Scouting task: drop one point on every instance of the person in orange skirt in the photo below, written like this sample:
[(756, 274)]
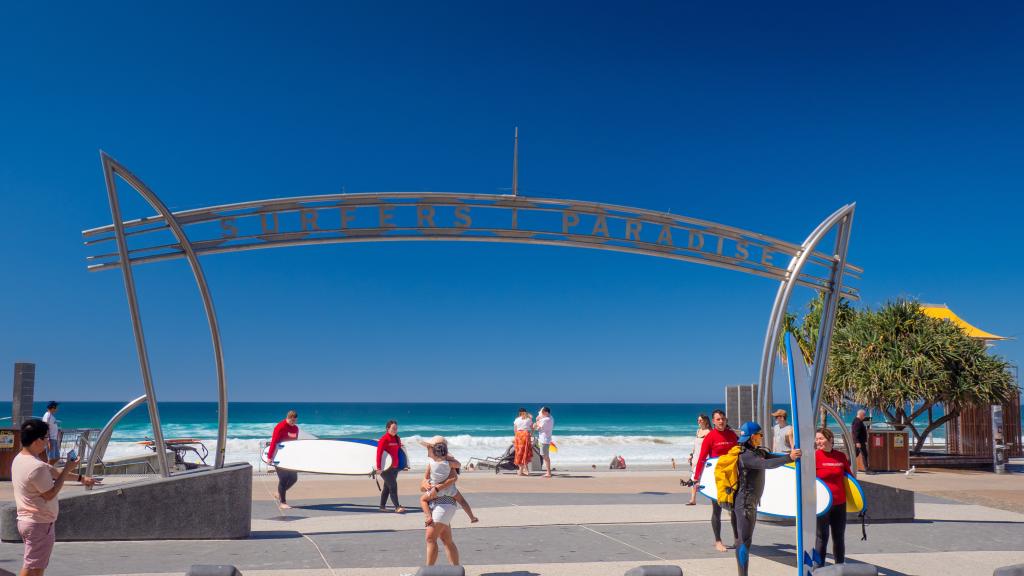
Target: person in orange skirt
[(523, 427)]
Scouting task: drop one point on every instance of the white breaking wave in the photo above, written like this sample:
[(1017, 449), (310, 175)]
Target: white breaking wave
[(573, 451)]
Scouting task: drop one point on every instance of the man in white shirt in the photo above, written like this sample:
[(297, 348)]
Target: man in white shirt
[(53, 437), (782, 433), (544, 426)]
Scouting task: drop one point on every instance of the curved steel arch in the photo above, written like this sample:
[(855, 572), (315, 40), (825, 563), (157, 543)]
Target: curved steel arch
[(843, 218), (111, 168), (424, 206)]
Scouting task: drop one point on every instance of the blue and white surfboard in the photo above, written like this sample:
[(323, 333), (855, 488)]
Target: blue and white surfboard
[(806, 475)]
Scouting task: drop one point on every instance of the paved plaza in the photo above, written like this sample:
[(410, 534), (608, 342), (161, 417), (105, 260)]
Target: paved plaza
[(563, 526)]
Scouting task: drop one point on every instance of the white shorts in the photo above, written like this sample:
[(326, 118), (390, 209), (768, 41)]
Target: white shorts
[(443, 513)]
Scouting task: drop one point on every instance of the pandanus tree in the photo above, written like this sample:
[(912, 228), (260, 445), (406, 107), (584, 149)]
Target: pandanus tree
[(903, 362)]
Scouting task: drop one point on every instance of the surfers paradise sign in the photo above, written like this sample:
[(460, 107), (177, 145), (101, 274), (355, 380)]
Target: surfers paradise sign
[(455, 217), (461, 217)]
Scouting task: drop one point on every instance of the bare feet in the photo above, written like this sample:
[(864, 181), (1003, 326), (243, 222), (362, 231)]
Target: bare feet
[(399, 510), (691, 503), (473, 519), (284, 506), (720, 547), (547, 475)]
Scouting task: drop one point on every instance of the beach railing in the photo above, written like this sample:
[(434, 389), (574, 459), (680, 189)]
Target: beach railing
[(81, 440)]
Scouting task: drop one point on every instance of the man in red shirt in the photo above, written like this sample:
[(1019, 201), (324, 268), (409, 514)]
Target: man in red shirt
[(285, 430), (717, 443)]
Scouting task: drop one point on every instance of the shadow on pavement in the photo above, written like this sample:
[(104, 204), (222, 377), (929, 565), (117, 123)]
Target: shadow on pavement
[(270, 535), (341, 507)]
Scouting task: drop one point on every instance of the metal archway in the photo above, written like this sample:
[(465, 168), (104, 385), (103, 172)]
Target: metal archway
[(409, 216)]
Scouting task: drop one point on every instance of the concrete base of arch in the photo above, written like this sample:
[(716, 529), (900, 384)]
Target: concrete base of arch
[(207, 504)]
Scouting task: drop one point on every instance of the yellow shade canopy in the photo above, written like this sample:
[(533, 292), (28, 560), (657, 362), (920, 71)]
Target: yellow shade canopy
[(943, 312)]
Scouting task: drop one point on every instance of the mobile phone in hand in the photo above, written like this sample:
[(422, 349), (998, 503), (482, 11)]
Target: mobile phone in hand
[(73, 455)]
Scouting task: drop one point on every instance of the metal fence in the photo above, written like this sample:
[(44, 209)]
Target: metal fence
[(81, 440)]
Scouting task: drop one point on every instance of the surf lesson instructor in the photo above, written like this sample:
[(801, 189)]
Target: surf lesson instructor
[(717, 443), (831, 466), (390, 443), (286, 430)]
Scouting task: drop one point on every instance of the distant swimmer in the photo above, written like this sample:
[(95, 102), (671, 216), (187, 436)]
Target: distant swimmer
[(285, 431), (390, 443), (717, 443), (753, 461)]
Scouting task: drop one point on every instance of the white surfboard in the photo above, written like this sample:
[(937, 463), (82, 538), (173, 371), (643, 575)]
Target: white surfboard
[(342, 457), (779, 496)]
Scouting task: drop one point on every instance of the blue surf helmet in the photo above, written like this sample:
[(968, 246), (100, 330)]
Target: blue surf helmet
[(747, 430)]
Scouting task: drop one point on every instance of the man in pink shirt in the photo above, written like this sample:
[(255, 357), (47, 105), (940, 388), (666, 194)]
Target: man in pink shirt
[(36, 485)]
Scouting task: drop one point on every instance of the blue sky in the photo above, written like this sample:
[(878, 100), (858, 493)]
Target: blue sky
[(764, 117)]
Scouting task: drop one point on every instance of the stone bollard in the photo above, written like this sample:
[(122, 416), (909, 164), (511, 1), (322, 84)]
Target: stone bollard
[(655, 570), (212, 570), (1015, 570), (441, 571), (846, 570)]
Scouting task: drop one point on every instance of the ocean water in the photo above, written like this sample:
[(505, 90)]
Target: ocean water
[(585, 434)]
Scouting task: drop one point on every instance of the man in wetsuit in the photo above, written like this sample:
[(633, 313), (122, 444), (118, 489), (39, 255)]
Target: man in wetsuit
[(717, 443), (752, 463)]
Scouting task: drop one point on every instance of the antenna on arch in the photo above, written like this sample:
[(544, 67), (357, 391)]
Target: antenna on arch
[(515, 164)]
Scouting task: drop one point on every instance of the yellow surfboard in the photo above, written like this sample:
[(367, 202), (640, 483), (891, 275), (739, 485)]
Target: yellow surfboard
[(854, 494)]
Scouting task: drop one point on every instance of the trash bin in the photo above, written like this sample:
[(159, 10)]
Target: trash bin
[(10, 445), (888, 450)]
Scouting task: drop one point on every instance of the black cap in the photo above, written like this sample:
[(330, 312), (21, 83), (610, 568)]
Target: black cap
[(52, 404)]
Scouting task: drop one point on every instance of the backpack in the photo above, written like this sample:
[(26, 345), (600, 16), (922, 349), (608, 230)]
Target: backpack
[(727, 477)]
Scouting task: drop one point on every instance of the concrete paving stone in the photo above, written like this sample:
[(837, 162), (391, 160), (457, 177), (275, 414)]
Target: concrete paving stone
[(263, 551), (329, 507)]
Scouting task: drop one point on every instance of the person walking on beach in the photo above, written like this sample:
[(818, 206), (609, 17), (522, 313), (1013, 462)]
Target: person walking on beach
[(523, 442), (831, 466), (544, 426), (703, 428), (782, 433), (439, 503), (36, 485), (53, 433), (859, 430), (389, 443), (717, 443), (285, 431), (750, 467)]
